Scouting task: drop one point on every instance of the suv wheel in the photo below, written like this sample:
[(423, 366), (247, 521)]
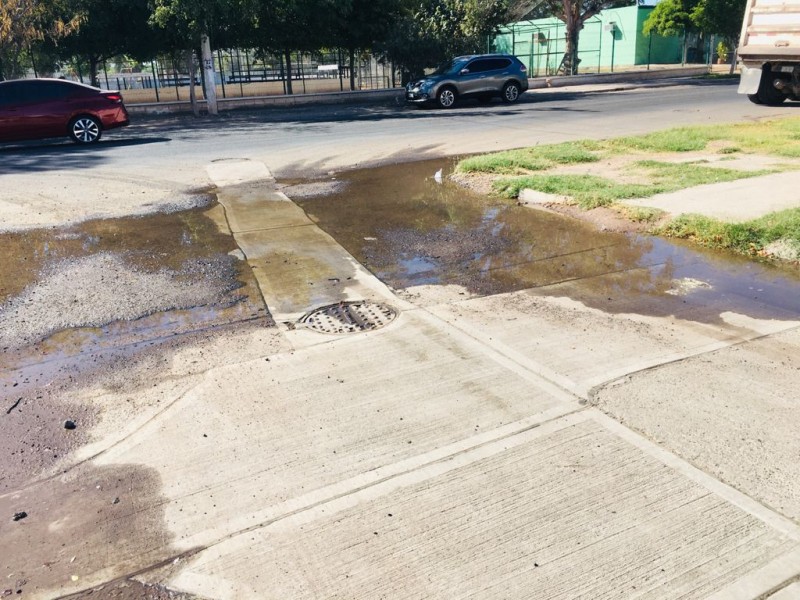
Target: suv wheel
[(446, 98), (510, 92)]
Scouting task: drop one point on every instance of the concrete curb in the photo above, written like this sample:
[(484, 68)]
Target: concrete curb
[(374, 96), (623, 77)]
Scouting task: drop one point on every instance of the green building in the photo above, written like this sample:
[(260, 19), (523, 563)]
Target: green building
[(611, 39)]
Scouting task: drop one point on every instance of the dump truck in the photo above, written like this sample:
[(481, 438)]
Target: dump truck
[(769, 51)]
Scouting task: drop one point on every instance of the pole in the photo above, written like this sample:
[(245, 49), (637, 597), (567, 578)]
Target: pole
[(649, 49), (210, 75), (221, 72), (239, 62), (613, 45), (155, 79)]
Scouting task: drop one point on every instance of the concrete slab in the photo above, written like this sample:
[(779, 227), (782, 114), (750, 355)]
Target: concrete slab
[(579, 346), (740, 425), (731, 201), (791, 592), (568, 509), (298, 266), (295, 428)]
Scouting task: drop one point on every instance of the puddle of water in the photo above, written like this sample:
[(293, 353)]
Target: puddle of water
[(185, 249), (410, 230)]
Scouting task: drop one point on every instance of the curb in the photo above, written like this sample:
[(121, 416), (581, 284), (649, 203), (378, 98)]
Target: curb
[(375, 96)]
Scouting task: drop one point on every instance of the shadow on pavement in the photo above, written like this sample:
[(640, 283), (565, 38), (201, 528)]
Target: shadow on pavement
[(28, 157)]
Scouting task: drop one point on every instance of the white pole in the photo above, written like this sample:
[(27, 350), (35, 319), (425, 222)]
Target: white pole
[(210, 76)]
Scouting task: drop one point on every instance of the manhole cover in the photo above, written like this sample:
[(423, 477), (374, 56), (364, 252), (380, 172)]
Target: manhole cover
[(349, 317)]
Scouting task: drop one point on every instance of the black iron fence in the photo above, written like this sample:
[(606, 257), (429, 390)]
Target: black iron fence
[(241, 74)]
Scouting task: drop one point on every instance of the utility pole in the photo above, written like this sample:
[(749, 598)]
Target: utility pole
[(210, 76)]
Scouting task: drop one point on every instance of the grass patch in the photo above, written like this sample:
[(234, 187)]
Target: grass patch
[(683, 139), (678, 176), (537, 158), (778, 138), (750, 237), (640, 214), (588, 191)]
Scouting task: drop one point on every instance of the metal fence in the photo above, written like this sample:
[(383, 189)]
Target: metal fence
[(241, 74)]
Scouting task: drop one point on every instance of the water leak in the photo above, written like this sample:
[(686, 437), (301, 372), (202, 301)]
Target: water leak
[(181, 260), (410, 230)]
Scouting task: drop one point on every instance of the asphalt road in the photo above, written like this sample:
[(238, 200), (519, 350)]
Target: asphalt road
[(306, 141)]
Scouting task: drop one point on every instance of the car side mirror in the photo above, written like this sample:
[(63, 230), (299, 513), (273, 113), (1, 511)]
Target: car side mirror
[(464, 72)]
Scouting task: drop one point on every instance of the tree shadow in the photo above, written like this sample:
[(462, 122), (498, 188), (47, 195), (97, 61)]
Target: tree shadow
[(47, 155)]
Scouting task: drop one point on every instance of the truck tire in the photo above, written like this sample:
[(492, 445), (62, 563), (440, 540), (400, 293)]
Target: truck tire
[(753, 98), (767, 94)]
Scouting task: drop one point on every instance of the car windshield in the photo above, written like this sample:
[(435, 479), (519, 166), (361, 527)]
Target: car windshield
[(450, 66)]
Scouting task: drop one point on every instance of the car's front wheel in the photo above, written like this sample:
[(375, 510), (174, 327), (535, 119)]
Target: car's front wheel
[(446, 98), (511, 92), (85, 130)]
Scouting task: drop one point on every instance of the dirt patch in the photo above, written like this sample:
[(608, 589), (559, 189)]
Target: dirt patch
[(105, 303), (90, 526)]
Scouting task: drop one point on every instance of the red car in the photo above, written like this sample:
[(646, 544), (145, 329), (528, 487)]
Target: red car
[(32, 109)]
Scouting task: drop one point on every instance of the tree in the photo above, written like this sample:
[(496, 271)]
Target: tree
[(362, 24), (430, 31), (574, 14), (110, 28), (192, 21), (283, 26), (24, 23), (721, 17)]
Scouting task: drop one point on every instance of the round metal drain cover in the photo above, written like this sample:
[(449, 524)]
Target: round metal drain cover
[(349, 317)]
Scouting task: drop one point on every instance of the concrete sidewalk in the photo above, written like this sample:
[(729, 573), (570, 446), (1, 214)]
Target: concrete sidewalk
[(457, 452), (733, 201)]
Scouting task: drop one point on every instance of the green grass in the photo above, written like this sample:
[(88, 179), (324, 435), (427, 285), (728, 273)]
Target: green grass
[(679, 176), (586, 190), (684, 139), (590, 191), (640, 214), (750, 237), (537, 158), (775, 138), (778, 138)]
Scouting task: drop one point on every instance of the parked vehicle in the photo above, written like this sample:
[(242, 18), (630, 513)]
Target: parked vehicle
[(32, 109), (483, 77), (769, 52)]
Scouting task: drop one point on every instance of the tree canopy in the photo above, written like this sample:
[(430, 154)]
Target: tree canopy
[(26, 22), (721, 17)]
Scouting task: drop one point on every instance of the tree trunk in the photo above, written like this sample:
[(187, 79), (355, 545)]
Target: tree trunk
[(352, 57), (190, 67), (210, 77), (572, 26), (287, 54), (94, 79)]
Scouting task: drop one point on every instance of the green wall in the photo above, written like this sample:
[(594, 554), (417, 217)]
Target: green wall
[(540, 43)]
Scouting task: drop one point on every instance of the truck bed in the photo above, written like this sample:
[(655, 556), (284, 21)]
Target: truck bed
[(771, 29)]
